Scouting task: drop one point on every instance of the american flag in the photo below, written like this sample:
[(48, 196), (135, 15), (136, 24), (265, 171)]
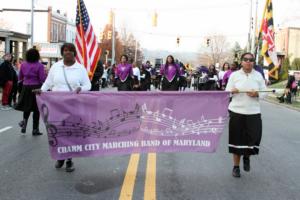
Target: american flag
[(88, 51)]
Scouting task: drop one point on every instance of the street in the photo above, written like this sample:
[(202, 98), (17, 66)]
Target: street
[(27, 171)]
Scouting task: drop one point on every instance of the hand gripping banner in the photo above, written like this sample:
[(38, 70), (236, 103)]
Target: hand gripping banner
[(95, 123)]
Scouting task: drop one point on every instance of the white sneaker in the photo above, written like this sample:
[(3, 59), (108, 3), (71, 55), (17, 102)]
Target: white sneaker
[(6, 108)]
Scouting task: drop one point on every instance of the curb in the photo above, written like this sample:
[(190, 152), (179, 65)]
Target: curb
[(281, 104)]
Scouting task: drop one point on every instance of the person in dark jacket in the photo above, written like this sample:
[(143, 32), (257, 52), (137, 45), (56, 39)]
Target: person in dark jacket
[(290, 88), (6, 80), (97, 76), (145, 79), (13, 94)]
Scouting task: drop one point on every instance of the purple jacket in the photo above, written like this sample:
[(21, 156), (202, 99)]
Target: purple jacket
[(124, 71), (182, 71), (32, 73), (226, 77), (170, 72)]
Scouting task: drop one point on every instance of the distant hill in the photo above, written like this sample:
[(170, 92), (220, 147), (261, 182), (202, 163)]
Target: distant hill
[(185, 57)]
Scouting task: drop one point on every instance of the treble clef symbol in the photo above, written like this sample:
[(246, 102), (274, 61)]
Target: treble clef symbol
[(51, 129)]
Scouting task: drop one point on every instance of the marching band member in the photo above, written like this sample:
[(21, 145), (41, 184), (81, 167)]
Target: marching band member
[(124, 73), (170, 73)]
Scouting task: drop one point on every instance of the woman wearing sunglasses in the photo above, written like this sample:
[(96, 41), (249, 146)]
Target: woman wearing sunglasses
[(245, 124)]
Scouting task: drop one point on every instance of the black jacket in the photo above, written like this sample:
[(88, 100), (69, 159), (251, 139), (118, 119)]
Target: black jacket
[(6, 72)]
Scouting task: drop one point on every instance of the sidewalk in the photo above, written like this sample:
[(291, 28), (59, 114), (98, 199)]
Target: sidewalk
[(272, 98)]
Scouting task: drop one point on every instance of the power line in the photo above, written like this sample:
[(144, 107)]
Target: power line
[(186, 36)]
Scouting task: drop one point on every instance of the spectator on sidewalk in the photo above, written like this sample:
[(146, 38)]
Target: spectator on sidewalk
[(290, 89), (13, 94), (6, 80)]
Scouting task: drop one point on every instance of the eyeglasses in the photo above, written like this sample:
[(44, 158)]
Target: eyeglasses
[(248, 59)]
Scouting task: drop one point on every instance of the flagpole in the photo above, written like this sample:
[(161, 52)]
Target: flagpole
[(273, 91), (82, 35), (254, 30), (32, 22), (135, 52), (249, 33), (113, 39)]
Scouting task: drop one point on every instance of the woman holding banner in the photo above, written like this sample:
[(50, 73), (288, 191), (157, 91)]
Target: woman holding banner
[(245, 124), (67, 75), (124, 73), (170, 74)]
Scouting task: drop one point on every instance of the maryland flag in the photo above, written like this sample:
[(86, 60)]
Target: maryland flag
[(266, 34)]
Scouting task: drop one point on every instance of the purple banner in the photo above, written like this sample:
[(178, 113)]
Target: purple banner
[(95, 123)]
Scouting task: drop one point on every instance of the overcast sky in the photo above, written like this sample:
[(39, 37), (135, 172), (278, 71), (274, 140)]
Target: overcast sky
[(191, 20)]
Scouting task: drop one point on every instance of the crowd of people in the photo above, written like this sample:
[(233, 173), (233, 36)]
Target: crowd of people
[(243, 81)]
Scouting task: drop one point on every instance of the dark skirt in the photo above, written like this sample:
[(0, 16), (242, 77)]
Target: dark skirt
[(27, 100), (125, 86), (170, 86), (245, 132), (182, 81)]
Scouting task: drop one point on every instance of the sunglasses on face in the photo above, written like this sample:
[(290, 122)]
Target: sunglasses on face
[(248, 59)]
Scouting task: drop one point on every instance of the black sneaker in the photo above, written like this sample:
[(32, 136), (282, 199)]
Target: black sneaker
[(236, 172), (246, 164), (36, 132), (70, 166), (59, 164)]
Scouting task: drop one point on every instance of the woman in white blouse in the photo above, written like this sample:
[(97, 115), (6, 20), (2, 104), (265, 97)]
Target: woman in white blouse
[(67, 75), (245, 124)]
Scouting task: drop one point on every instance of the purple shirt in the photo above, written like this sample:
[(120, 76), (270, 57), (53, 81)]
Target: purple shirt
[(170, 72), (226, 77), (123, 71), (181, 71), (32, 73)]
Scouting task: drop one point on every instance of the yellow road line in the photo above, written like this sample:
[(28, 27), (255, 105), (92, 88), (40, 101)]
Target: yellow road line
[(129, 180), (150, 182)]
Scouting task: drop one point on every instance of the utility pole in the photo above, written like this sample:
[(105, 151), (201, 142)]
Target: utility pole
[(113, 38), (32, 22), (249, 33), (136, 48), (254, 30)]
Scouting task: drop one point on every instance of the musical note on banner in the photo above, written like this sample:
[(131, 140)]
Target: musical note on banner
[(172, 126), (100, 129)]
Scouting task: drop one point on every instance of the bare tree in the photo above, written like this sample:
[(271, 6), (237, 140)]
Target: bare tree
[(106, 44), (130, 44), (217, 50)]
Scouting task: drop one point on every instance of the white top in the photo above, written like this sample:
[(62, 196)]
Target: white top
[(136, 72), (241, 102), (105, 74), (221, 74), (76, 74)]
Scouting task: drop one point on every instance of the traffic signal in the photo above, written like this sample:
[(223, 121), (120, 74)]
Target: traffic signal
[(106, 52), (154, 19), (111, 17), (109, 35), (178, 40), (207, 42), (101, 36)]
